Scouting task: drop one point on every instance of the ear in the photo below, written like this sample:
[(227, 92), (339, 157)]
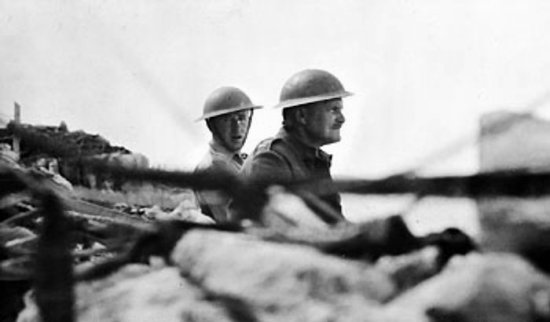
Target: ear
[(212, 127), (301, 116)]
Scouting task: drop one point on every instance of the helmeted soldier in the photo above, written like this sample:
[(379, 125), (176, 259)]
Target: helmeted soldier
[(228, 114), (312, 117)]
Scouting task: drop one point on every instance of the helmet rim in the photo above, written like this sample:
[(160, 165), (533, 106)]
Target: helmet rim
[(310, 86), (296, 102), (225, 100), (227, 111)]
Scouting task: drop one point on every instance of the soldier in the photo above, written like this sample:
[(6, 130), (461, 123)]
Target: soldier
[(312, 117), (228, 115)]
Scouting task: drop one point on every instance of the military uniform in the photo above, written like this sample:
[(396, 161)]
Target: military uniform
[(215, 204), (283, 158)]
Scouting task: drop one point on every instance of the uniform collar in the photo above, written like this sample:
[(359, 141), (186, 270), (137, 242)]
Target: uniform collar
[(221, 150)]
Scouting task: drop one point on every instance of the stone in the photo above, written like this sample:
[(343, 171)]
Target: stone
[(138, 293), (488, 287), (409, 270), (187, 210), (282, 282), (518, 225)]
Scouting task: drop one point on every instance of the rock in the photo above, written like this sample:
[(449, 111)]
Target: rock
[(408, 270), (281, 282), (155, 213), (185, 211), (491, 287), (519, 225), (188, 211), (136, 293), (8, 157), (157, 296), (62, 182)]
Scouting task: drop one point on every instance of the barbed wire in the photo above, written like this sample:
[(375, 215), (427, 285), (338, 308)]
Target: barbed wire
[(6, 115), (400, 183), (523, 183), (496, 128)]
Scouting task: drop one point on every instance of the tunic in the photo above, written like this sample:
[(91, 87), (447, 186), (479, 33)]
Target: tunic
[(284, 158), (212, 203)]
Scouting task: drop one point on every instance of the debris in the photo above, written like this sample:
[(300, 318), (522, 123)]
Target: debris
[(282, 282), (127, 262), (489, 287)]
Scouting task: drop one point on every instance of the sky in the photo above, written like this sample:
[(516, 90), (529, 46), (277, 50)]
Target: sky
[(138, 72)]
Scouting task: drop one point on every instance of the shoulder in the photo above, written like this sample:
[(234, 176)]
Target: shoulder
[(266, 145), (267, 161), (273, 150), (205, 162), (264, 149), (272, 146), (210, 161)]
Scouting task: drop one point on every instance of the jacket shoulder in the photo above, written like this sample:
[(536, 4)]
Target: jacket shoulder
[(267, 145), (266, 163)]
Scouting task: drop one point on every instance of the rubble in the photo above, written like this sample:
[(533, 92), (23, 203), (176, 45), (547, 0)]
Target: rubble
[(221, 276), (139, 293), (488, 287), (81, 142), (409, 270), (157, 295), (282, 282), (517, 225), (59, 151), (149, 263)]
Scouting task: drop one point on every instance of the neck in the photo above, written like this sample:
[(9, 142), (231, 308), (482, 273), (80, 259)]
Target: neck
[(221, 145), (301, 135)]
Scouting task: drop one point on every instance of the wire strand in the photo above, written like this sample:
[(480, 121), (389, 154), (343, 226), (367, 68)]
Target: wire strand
[(460, 144)]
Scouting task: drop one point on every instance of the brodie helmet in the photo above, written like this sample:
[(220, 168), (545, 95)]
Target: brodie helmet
[(310, 86), (225, 100)]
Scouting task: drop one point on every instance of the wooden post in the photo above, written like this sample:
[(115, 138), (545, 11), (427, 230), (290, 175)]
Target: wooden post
[(17, 120)]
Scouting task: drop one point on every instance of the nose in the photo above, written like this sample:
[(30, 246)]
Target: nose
[(340, 118), (237, 124)]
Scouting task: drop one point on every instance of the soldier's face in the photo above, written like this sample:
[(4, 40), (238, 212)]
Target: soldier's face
[(323, 121), (232, 129)]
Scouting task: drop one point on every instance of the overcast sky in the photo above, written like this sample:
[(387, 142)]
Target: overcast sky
[(138, 72)]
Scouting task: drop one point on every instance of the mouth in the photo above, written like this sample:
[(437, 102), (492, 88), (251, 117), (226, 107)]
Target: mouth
[(237, 137)]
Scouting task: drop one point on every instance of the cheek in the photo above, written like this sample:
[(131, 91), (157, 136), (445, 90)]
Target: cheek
[(327, 122), (225, 130), (244, 125)]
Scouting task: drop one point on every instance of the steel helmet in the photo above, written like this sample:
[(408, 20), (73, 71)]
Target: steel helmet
[(225, 100), (310, 86)]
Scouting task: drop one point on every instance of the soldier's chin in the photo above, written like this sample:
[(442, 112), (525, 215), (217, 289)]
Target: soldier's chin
[(333, 138), (235, 145)]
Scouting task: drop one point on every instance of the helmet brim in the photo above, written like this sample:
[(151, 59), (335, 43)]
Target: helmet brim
[(227, 111), (295, 102)]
